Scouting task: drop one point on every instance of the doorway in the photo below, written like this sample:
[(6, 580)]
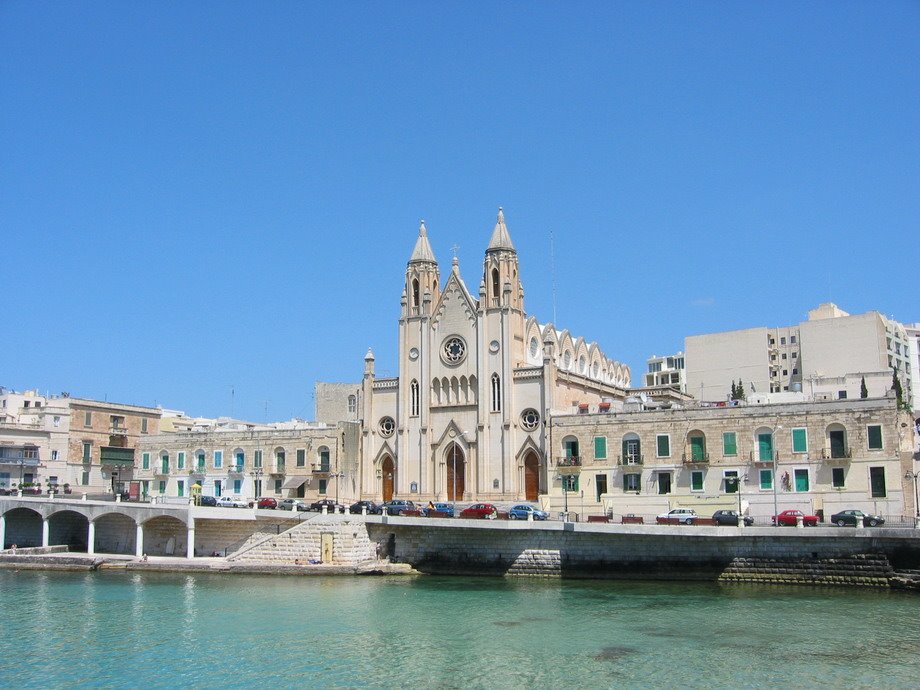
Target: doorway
[(387, 471), (456, 473), (531, 476)]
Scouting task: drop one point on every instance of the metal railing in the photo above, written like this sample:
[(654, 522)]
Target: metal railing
[(696, 458), (845, 453), (628, 460), (569, 461)]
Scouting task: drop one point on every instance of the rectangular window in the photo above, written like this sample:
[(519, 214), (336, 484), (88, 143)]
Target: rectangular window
[(600, 486), (87, 450), (801, 480), (162, 486), (664, 483), (165, 460), (278, 486), (837, 478), (322, 486), (664, 445), (145, 461), (180, 488), (799, 441), (84, 478), (218, 487), (841, 395), (54, 455), (218, 459), (792, 340), (782, 341), (874, 432), (730, 478), (256, 459), (729, 443), (180, 460), (144, 421), (301, 457), (237, 486), (631, 482), (696, 480), (145, 488), (877, 482), (600, 447), (240, 459), (766, 480), (201, 461), (88, 419)]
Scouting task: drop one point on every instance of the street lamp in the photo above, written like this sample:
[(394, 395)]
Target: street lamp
[(775, 473), (257, 481), (914, 475)]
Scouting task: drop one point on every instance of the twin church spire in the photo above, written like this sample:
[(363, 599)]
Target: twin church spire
[(500, 286)]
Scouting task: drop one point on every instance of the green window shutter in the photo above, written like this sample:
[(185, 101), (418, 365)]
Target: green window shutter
[(838, 480), (696, 481), (799, 441), (600, 447), (875, 437), (664, 446), (145, 460), (625, 482), (301, 457), (729, 443), (766, 479)]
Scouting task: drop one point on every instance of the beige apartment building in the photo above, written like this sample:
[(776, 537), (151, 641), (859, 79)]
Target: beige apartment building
[(290, 459), (819, 457), (826, 357)]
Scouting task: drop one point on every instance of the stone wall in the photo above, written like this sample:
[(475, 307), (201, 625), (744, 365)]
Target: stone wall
[(226, 537), (350, 543)]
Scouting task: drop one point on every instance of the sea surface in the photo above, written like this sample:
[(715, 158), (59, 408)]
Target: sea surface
[(165, 630)]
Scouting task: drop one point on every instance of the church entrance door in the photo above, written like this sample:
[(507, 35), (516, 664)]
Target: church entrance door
[(531, 476), (456, 473), (387, 469)]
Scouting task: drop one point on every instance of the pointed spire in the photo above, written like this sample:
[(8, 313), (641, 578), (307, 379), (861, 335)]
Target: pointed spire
[(422, 251), (500, 237)]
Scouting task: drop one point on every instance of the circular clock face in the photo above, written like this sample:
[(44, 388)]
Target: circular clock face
[(494, 346), (413, 353), (454, 350)]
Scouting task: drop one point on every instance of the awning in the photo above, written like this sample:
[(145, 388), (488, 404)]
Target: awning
[(294, 482)]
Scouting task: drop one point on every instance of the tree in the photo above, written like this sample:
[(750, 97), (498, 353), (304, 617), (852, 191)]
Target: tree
[(734, 395), (896, 386), (863, 391), (741, 395)]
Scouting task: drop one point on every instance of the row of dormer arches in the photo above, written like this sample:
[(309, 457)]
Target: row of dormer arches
[(454, 390), (574, 355)]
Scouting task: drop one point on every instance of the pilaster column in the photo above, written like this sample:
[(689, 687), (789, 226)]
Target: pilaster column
[(45, 531), (139, 541), (91, 538), (190, 543)]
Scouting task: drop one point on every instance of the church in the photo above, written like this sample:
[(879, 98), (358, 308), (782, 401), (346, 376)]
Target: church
[(467, 417)]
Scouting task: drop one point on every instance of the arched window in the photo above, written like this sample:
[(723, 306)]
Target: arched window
[(496, 393), (495, 293), (415, 300), (414, 398)]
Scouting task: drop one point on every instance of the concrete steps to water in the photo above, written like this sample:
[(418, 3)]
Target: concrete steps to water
[(303, 544)]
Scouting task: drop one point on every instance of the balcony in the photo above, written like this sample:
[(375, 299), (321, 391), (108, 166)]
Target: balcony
[(27, 456), (630, 460), (235, 469), (696, 458), (837, 454), (113, 455), (570, 464), (161, 471), (118, 431), (320, 468), (278, 469), (198, 470), (764, 459)]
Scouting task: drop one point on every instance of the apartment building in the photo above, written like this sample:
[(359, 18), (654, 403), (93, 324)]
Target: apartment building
[(819, 457), (669, 370)]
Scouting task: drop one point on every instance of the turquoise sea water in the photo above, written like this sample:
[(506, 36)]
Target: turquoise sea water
[(124, 630)]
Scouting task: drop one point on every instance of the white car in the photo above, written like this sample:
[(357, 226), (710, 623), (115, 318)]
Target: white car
[(231, 502), (683, 516)]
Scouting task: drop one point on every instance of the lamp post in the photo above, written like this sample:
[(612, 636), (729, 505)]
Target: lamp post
[(256, 481), (914, 475), (775, 473)]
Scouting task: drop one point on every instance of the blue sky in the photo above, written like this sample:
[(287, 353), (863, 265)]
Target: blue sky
[(199, 197)]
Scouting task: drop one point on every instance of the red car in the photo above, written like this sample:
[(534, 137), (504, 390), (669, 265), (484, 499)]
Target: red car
[(268, 502), (789, 517), (480, 511)]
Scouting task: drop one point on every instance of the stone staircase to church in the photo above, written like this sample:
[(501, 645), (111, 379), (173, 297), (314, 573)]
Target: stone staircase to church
[(303, 543)]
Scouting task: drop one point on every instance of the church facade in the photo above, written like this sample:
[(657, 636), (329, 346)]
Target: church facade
[(467, 417)]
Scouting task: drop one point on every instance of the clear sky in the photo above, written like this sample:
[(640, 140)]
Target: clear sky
[(204, 196)]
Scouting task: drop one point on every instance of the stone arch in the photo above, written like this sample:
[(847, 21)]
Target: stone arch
[(23, 527), (436, 391), (455, 459), (387, 477), (68, 527), (115, 533), (836, 443), (164, 535), (531, 475)]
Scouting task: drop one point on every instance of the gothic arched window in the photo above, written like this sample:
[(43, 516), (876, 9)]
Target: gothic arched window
[(496, 393), (415, 300), (495, 292), (414, 398)]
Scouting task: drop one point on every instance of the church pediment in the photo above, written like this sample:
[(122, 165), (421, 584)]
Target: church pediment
[(455, 298)]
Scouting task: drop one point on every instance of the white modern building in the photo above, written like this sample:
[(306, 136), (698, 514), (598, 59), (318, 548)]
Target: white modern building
[(669, 370)]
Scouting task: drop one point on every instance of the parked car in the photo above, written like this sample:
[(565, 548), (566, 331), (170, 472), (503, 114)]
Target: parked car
[(231, 502), (480, 511), (730, 517), (292, 504), (207, 501), (522, 510), (851, 517), (268, 502), (683, 516), (331, 506), (398, 506), (372, 508), (789, 517), (440, 508)]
